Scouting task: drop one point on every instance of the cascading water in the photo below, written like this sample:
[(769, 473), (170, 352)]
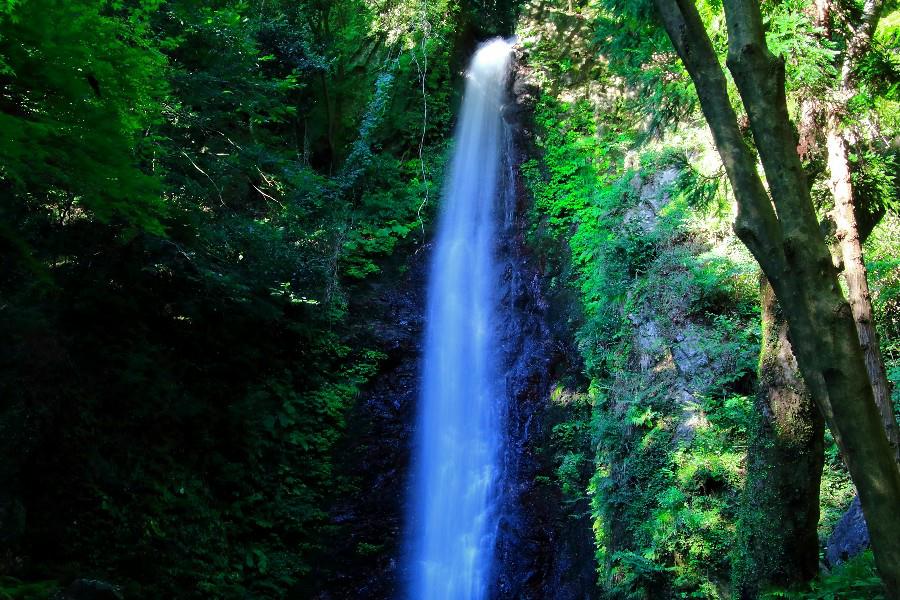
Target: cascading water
[(455, 503)]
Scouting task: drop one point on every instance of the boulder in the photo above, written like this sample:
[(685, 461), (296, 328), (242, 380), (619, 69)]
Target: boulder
[(850, 536)]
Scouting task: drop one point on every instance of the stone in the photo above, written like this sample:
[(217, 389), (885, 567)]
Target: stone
[(689, 355), (850, 536)]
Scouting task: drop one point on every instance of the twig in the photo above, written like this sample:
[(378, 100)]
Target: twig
[(218, 191)]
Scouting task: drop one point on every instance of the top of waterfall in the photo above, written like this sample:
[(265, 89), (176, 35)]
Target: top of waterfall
[(492, 55)]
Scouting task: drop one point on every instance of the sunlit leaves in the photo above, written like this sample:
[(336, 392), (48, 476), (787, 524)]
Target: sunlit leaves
[(810, 58), (78, 94)]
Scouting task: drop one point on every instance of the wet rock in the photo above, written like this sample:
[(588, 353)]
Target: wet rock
[(654, 189), (364, 560), (541, 552), (523, 95), (850, 536), (649, 343)]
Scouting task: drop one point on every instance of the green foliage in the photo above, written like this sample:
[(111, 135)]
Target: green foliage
[(664, 503), (854, 579), (570, 441), (874, 176), (640, 53), (620, 260), (883, 264), (14, 589), (80, 89), (809, 58), (198, 199)]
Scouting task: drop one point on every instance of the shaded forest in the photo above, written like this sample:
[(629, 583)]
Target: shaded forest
[(215, 227)]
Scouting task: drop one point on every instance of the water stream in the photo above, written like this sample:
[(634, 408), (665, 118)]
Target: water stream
[(456, 500)]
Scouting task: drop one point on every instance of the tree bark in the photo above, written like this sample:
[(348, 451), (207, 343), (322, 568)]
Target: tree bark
[(848, 232), (808, 128), (780, 506), (793, 253), (850, 242)]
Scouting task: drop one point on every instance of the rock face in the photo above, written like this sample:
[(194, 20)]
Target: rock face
[(850, 536), (540, 554), (365, 558), (670, 348)]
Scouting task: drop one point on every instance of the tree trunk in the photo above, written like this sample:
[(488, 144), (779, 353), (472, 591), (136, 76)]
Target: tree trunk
[(329, 115), (849, 238), (792, 252), (808, 128), (780, 507)]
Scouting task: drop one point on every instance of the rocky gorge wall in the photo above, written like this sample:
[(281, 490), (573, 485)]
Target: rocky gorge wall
[(544, 551), (657, 305), (657, 300)]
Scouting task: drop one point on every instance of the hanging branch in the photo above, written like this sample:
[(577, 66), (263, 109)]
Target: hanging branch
[(423, 73)]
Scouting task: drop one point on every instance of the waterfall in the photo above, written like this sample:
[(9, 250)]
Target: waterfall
[(456, 487)]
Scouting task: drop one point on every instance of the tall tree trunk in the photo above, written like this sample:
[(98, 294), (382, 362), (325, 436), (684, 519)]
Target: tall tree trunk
[(850, 242), (845, 209), (792, 252), (778, 536)]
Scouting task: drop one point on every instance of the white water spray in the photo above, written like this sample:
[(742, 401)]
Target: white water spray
[(462, 402)]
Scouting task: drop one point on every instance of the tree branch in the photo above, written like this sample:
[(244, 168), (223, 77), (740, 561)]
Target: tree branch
[(760, 80), (756, 223)]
